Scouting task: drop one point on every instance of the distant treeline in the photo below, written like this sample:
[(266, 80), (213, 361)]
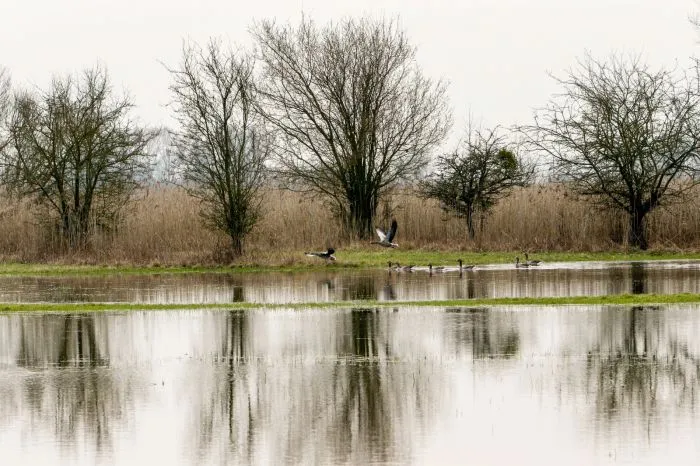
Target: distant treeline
[(162, 227), (342, 121)]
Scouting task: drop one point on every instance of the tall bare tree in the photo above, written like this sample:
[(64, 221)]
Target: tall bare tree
[(624, 135), (355, 112), (473, 178), (222, 144), (75, 150), (5, 103)]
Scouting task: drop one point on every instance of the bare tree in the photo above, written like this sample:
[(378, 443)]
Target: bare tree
[(5, 104), (472, 179), (76, 151), (355, 112), (222, 145), (624, 135)]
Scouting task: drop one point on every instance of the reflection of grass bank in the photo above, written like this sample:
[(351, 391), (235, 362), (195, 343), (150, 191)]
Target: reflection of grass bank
[(623, 300), (347, 259)]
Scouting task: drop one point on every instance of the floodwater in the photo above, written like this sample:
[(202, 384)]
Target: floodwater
[(573, 385), (556, 279)]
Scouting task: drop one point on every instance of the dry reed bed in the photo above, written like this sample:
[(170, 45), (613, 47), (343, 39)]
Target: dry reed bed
[(162, 226)]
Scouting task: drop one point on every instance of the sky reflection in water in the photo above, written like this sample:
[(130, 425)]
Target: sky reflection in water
[(555, 385)]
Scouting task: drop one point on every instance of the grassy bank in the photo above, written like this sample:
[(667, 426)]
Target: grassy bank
[(347, 260), (622, 300), (162, 228)]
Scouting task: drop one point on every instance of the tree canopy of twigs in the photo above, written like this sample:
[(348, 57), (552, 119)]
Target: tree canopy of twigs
[(74, 149), (474, 177), (623, 135), (5, 100), (221, 144), (354, 112)]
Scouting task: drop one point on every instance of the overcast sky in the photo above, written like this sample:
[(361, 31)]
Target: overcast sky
[(495, 53)]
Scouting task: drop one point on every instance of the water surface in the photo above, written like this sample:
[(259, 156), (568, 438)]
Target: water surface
[(504, 385), (556, 279)]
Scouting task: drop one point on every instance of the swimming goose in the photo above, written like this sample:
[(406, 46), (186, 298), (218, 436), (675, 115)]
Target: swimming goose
[(328, 255), (405, 268), (385, 239), (531, 262), (519, 264), (436, 269), (466, 267)]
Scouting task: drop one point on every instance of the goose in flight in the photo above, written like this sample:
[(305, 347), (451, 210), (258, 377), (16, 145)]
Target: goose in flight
[(328, 255), (386, 239)]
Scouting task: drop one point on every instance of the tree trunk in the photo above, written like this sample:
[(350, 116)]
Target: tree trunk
[(637, 233), (360, 216), (470, 222), (236, 245)]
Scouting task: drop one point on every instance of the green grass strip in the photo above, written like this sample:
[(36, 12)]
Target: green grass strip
[(348, 259), (625, 299)]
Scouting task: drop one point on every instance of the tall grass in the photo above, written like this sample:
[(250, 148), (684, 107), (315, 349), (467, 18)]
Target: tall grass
[(162, 226)]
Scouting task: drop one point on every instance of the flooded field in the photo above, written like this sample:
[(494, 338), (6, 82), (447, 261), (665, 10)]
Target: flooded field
[(577, 385), (560, 279), (546, 385)]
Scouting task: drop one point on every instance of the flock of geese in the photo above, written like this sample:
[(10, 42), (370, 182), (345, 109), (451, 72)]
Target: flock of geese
[(386, 239), (431, 269)]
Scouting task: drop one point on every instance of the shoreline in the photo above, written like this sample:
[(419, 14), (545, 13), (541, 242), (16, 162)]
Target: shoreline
[(353, 259), (624, 300)]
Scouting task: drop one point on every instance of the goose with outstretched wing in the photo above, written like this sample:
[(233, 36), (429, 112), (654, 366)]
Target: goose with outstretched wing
[(328, 255), (387, 239)]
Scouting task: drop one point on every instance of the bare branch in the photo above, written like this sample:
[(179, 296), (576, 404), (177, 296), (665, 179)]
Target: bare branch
[(623, 135), (5, 104), (472, 180), (74, 149), (355, 114), (221, 145)]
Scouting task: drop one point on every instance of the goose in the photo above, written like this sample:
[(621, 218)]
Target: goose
[(436, 269), (405, 268), (328, 255), (465, 267), (519, 264), (531, 262), (386, 239)]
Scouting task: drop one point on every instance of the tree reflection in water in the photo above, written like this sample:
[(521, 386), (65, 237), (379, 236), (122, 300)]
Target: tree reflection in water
[(640, 366), (362, 385), (229, 408), (359, 287), (488, 337), (337, 387), (83, 402), (638, 274)]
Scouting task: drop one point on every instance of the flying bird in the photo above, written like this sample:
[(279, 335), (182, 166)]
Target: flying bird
[(328, 255), (386, 239)]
